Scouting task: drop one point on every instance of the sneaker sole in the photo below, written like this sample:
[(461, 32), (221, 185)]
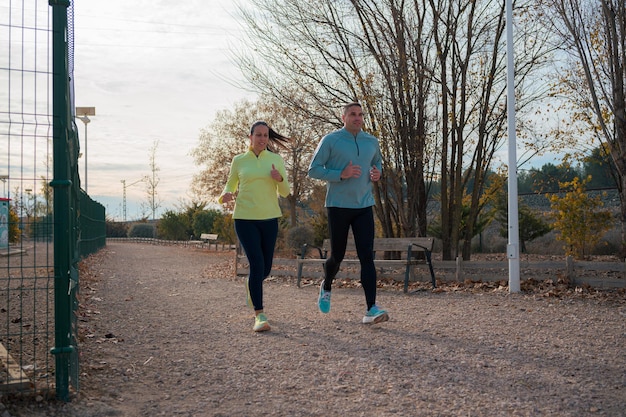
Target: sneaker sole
[(378, 319), (263, 328), (381, 318)]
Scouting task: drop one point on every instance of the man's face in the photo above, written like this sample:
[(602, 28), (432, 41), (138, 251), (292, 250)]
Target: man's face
[(353, 119)]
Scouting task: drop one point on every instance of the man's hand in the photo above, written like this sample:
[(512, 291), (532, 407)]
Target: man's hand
[(374, 173), (351, 171)]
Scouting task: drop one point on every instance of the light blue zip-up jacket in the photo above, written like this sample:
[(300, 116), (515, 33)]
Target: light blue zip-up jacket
[(333, 154)]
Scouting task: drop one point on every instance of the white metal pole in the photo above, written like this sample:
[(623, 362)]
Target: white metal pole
[(513, 215), (82, 113), (86, 120)]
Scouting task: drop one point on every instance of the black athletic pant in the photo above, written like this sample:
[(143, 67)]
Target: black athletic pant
[(258, 239), (340, 220)]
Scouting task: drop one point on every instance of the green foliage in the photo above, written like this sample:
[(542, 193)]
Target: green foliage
[(14, 226), (203, 221), (141, 230), (434, 228), (298, 236), (42, 228), (224, 226), (549, 176), (319, 223), (525, 182), (174, 226), (578, 219), (116, 229), (600, 166), (531, 226), (546, 178)]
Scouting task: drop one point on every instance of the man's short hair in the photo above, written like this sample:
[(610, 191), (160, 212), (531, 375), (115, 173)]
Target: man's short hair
[(347, 106)]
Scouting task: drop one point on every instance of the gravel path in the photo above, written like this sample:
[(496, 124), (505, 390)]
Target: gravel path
[(165, 332)]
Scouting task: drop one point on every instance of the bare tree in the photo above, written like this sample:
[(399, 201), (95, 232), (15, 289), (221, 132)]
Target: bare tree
[(225, 137), (228, 136), (152, 181), (431, 76), (593, 32), (367, 51)]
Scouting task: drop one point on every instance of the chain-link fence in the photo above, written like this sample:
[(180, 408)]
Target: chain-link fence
[(47, 223)]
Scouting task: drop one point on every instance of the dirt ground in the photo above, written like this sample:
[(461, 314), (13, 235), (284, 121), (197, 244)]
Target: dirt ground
[(165, 332)]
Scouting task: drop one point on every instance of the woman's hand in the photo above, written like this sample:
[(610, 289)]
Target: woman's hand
[(227, 198), (275, 174)]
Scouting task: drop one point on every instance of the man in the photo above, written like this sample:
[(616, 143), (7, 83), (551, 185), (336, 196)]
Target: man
[(349, 160)]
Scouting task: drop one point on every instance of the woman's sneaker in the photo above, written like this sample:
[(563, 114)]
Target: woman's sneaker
[(375, 315), (260, 323), (323, 301)]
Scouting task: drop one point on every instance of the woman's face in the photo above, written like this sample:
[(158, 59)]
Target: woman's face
[(259, 138)]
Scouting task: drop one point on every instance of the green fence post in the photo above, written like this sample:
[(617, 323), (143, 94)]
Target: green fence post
[(61, 184)]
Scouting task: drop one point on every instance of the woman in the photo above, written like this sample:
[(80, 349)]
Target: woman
[(255, 180)]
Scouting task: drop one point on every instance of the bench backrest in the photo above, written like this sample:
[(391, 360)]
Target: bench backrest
[(391, 244)]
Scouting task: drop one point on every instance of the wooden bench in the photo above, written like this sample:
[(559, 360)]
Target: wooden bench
[(407, 248), (208, 237)]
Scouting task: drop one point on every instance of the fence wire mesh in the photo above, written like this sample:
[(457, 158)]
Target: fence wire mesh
[(26, 249), (38, 289)]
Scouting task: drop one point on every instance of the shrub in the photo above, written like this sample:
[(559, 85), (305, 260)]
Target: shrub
[(116, 229), (320, 228), (298, 236), (203, 221), (141, 230), (14, 226), (578, 218), (175, 226)]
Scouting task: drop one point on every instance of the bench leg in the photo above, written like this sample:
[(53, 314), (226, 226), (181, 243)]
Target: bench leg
[(430, 267), (407, 275), (407, 272), (299, 274)]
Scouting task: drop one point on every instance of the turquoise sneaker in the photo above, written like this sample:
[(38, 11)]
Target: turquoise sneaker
[(375, 315), (323, 301), (248, 298), (260, 323)]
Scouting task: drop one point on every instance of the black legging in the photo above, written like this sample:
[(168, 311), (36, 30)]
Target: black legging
[(362, 222), (258, 239)]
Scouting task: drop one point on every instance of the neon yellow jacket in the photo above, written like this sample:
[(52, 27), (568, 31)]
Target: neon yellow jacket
[(257, 197)]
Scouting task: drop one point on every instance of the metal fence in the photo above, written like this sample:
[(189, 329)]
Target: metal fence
[(47, 223)]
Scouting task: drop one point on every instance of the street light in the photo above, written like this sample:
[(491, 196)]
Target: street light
[(4, 178), (28, 191), (81, 114)]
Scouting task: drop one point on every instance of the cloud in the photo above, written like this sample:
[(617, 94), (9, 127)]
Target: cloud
[(154, 73)]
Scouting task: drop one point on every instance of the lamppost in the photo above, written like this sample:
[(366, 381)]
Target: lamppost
[(28, 198), (4, 178), (81, 114)]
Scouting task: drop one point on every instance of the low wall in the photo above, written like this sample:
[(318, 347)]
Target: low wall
[(595, 274)]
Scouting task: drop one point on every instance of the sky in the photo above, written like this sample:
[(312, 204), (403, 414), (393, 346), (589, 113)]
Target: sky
[(156, 72)]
